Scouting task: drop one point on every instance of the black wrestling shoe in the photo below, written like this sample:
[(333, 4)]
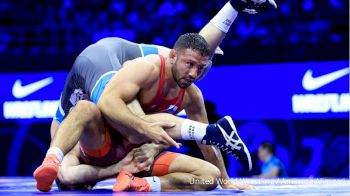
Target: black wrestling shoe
[(253, 6), (223, 134)]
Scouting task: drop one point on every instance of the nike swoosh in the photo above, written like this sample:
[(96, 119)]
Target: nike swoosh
[(20, 91), (310, 83)]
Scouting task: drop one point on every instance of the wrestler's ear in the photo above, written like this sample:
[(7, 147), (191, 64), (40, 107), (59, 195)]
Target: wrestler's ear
[(172, 56)]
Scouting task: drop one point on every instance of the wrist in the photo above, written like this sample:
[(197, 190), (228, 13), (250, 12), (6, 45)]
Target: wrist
[(158, 148), (141, 127), (162, 147)]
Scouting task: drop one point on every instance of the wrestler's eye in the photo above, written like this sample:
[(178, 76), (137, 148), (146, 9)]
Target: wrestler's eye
[(189, 64), (200, 68)]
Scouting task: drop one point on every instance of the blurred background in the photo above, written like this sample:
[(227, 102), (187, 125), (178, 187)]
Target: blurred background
[(259, 81)]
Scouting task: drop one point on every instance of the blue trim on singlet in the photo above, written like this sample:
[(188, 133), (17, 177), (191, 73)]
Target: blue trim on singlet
[(59, 116), (149, 49), (100, 86)]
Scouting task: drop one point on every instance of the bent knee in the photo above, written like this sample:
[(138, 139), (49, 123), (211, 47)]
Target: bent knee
[(209, 170), (210, 173), (88, 107), (65, 177), (215, 172)]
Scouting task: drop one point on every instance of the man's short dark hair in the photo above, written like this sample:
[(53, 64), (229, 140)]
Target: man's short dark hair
[(192, 41), (268, 146)]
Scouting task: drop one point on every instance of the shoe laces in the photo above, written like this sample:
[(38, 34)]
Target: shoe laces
[(224, 149)]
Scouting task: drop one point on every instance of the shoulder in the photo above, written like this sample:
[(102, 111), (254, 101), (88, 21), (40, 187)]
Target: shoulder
[(194, 92), (163, 50), (143, 70), (274, 160), (193, 97), (148, 64)]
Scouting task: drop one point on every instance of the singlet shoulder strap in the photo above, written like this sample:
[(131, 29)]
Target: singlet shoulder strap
[(160, 89)]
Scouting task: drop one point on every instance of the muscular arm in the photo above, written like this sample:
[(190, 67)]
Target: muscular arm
[(122, 89), (195, 110)]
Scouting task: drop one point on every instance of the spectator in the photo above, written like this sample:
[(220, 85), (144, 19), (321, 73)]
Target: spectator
[(272, 166)]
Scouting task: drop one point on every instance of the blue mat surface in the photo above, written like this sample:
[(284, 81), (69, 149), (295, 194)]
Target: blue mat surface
[(26, 186)]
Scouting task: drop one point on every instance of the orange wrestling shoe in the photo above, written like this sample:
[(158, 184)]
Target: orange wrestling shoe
[(46, 173), (128, 182)]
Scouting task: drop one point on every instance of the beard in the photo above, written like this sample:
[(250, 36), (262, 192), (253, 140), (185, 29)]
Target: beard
[(184, 85), (178, 79)]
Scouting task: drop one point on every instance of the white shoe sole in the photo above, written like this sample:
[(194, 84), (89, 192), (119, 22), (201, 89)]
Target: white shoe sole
[(230, 121)]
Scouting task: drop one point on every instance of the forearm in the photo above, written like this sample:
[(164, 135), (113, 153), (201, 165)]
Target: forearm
[(81, 174), (119, 116), (214, 157)]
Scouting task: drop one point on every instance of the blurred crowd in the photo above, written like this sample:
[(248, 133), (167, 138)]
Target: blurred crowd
[(306, 30)]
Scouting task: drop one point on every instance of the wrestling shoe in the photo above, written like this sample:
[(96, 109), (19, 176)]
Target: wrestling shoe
[(253, 6), (223, 134), (46, 173), (128, 182)]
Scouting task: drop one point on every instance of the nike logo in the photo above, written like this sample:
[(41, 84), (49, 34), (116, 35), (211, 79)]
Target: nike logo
[(311, 83), (20, 91)]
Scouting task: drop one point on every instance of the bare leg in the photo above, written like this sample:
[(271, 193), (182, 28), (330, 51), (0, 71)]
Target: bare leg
[(89, 129), (215, 31), (213, 36), (85, 124), (84, 118), (174, 132), (190, 174), (54, 127), (176, 172)]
